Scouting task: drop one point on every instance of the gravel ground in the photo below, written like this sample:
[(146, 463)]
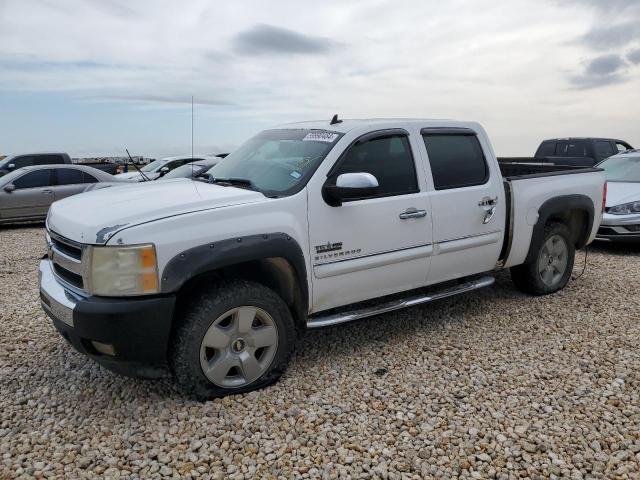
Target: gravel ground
[(494, 384)]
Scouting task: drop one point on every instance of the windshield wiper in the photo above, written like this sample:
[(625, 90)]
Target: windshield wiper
[(234, 182)]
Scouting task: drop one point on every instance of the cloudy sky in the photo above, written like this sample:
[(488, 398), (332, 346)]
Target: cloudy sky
[(94, 77)]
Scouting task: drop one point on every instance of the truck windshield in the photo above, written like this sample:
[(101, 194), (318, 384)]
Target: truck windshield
[(622, 169), (278, 162)]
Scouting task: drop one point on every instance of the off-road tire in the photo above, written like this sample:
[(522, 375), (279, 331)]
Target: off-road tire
[(527, 277), (203, 308)]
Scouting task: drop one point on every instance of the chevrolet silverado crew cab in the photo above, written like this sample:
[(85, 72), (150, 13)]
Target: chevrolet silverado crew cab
[(305, 225)]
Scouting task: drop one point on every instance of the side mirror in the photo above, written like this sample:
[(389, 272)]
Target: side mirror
[(11, 166), (164, 171), (350, 186), (10, 187)]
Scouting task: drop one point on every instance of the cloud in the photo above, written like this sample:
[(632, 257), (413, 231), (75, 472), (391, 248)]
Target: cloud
[(267, 39), (605, 65), (603, 70), (177, 99), (612, 36), (634, 56)]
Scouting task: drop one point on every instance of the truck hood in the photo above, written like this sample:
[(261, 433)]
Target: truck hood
[(622, 192), (94, 217)]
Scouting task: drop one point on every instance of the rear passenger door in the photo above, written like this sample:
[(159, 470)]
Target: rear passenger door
[(70, 181), (373, 246), (467, 204)]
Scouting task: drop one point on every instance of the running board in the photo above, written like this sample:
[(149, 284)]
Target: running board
[(350, 316)]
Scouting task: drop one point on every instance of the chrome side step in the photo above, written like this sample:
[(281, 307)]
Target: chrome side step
[(349, 316)]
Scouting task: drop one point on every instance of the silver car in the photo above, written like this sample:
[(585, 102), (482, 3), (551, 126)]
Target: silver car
[(621, 217), (27, 193)]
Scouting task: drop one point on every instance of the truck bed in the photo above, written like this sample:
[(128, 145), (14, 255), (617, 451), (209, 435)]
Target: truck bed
[(532, 167), (527, 186)]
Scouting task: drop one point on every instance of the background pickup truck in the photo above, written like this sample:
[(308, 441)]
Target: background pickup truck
[(16, 162), (297, 229), (573, 152)]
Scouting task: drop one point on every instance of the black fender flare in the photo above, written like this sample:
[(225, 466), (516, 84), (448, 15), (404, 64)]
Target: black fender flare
[(215, 255), (559, 205)]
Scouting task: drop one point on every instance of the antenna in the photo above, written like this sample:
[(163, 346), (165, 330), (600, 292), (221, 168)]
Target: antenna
[(335, 120), (191, 127), (144, 176)]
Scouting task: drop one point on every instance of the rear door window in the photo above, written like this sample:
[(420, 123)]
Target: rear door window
[(71, 176), (456, 160), (577, 148), (561, 149), (37, 179)]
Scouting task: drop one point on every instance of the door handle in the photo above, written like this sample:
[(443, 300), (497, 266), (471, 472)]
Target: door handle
[(489, 215), (47, 191), (489, 205), (488, 202), (412, 213)]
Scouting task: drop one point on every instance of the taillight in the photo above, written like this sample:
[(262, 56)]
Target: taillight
[(604, 196)]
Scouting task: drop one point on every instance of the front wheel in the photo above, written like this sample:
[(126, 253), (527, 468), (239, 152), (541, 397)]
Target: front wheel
[(551, 268), (234, 337)]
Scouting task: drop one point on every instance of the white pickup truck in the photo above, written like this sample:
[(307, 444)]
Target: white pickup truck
[(295, 230)]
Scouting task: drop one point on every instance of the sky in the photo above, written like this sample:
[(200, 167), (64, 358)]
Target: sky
[(93, 77)]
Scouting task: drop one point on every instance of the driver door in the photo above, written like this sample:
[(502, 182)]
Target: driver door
[(373, 246), (32, 197)]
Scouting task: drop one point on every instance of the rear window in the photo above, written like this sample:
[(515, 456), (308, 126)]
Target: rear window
[(456, 160)]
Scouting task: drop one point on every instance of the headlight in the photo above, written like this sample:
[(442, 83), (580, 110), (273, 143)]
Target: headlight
[(625, 208), (123, 271)]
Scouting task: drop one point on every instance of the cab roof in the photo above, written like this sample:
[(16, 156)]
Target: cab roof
[(347, 125)]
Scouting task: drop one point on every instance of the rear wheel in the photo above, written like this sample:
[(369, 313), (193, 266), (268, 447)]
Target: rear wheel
[(551, 268), (235, 337)]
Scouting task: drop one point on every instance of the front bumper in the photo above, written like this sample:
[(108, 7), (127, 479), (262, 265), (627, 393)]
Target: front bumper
[(619, 228), (136, 331)]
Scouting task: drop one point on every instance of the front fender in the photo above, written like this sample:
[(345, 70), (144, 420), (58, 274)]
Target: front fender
[(213, 256)]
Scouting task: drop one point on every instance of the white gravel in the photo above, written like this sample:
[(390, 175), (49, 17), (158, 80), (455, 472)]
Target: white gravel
[(490, 385)]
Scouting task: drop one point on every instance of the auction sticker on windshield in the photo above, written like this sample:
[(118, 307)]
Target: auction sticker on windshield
[(320, 136)]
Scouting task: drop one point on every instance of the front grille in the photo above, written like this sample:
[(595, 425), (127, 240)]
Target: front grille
[(607, 231), (68, 276), (66, 256), (67, 247)]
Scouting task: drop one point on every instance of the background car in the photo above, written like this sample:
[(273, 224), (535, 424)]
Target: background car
[(157, 168), (192, 170), (621, 218), (27, 193), (30, 159), (579, 152)]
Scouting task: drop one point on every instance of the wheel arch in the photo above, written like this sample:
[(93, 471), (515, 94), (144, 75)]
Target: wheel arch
[(575, 211), (274, 260)]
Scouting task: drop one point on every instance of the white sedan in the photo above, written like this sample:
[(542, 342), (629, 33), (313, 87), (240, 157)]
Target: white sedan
[(621, 218), (158, 168)]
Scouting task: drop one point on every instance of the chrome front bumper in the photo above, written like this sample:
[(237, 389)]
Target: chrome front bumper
[(619, 228), (56, 301)]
